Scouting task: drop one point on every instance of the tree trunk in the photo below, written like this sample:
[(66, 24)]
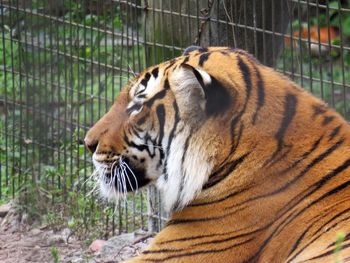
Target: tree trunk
[(255, 26)]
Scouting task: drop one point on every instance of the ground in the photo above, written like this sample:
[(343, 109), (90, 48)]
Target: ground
[(22, 243)]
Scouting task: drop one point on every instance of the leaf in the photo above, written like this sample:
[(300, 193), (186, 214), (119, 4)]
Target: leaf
[(71, 222), (81, 150), (90, 20), (87, 51), (346, 26), (322, 20), (117, 22)]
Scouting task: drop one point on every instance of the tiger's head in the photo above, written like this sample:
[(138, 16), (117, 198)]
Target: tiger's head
[(178, 125)]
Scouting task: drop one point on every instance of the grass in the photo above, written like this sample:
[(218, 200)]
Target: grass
[(55, 255)]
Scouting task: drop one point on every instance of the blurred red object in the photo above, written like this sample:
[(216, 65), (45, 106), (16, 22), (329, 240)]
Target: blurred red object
[(320, 38)]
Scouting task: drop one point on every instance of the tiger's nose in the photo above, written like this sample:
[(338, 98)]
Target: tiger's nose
[(91, 144)]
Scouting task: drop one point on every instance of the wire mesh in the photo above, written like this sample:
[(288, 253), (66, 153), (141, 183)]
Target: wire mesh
[(63, 63)]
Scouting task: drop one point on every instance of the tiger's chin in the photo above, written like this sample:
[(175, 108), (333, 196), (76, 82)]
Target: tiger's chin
[(119, 177)]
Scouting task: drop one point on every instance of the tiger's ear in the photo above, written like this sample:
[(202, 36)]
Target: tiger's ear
[(200, 88), (189, 49)]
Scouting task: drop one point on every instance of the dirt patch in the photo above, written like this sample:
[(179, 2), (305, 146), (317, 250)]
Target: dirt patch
[(22, 243)]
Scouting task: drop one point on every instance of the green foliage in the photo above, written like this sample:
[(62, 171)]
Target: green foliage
[(55, 255)]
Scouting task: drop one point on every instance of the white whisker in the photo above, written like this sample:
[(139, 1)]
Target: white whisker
[(134, 176), (122, 174), (126, 175)]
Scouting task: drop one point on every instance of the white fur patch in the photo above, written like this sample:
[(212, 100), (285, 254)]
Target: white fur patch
[(194, 173), (206, 77)]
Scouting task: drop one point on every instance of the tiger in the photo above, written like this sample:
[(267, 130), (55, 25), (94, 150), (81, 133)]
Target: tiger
[(251, 167)]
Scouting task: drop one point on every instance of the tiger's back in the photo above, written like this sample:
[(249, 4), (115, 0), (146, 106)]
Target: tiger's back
[(254, 168)]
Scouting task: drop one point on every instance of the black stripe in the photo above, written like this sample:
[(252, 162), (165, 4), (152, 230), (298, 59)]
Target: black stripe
[(187, 143), (218, 98), (334, 132), (145, 80), (155, 72), (218, 241), (160, 95), (330, 175), (235, 139), (160, 110), (138, 147), (135, 132), (261, 94), (318, 109), (189, 254), (203, 58), (142, 119), (224, 171), (218, 200), (288, 115), (171, 136), (164, 250), (197, 75), (187, 58), (248, 85), (304, 155), (327, 120), (141, 96), (171, 63), (286, 149), (200, 236), (134, 107), (247, 79), (301, 237), (202, 219)]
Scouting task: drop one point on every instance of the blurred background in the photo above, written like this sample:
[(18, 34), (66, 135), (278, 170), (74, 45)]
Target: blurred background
[(63, 62)]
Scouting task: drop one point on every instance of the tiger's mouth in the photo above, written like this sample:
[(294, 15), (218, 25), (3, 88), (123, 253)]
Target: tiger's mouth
[(117, 176)]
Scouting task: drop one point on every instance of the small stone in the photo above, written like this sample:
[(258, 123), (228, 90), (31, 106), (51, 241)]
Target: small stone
[(36, 247), (97, 245), (65, 233), (35, 231), (4, 209)]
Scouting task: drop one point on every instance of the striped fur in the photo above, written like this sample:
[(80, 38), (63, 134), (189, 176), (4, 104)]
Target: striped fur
[(252, 167)]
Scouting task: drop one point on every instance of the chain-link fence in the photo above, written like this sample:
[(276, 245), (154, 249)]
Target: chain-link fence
[(64, 61)]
